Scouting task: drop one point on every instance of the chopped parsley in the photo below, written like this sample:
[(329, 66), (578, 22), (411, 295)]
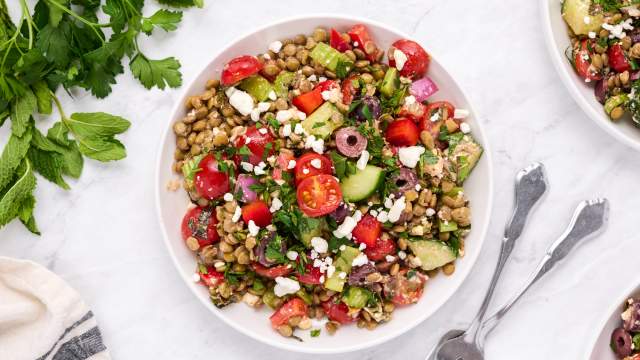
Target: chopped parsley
[(315, 332)]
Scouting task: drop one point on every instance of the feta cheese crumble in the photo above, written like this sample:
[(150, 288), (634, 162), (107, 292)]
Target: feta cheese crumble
[(319, 244), (228, 197), (360, 260), (241, 101), (347, 226), (286, 130), (275, 46), (400, 58), (285, 286), (316, 163), (397, 209), (410, 155), (291, 164), (253, 228), (276, 204), (292, 255), (459, 114), (236, 214), (363, 160), (465, 128)]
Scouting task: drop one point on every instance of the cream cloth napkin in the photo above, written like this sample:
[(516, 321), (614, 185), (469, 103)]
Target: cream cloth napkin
[(43, 318)]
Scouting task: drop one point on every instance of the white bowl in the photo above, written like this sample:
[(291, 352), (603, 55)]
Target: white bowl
[(600, 349), (171, 206), (557, 38)]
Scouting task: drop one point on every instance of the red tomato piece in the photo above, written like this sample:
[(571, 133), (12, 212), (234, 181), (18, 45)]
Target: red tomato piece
[(441, 107), (382, 248), (359, 35), (307, 166), (258, 211), (308, 101), (337, 42), (349, 91), (293, 307), (210, 182), (582, 58), (201, 224), (617, 58), (212, 277), (258, 142), (337, 311), (402, 132), (282, 164), (272, 272), (328, 85), (311, 275), (405, 290), (240, 68), (417, 62), (367, 231), (319, 195)]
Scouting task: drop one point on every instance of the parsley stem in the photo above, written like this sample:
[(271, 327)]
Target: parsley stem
[(27, 15), (79, 18), (59, 106)]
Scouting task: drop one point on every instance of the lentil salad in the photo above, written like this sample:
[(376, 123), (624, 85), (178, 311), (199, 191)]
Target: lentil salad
[(625, 340), (605, 52), (324, 183)]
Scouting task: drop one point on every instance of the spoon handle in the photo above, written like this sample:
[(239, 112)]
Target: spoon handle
[(531, 184), (589, 219)]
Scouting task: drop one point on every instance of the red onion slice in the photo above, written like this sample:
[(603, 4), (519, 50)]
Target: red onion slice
[(243, 183), (422, 89)]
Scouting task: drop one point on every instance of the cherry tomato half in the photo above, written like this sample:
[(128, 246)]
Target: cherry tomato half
[(311, 164), (240, 68), (212, 277), (210, 182), (439, 107), (402, 132), (201, 224), (404, 289), (382, 248), (417, 58), (349, 91), (337, 311), (311, 275), (617, 59), (367, 231), (258, 211), (293, 307), (272, 272), (337, 42), (257, 140), (319, 195), (415, 111), (282, 164), (582, 57)]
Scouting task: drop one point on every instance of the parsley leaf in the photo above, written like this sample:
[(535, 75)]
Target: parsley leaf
[(343, 68), (159, 73), (165, 19)]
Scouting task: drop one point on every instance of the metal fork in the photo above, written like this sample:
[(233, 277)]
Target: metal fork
[(589, 219)]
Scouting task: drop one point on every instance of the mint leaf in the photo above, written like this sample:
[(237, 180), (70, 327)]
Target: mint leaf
[(96, 124), (102, 149), (25, 214), (12, 154), (165, 19), (43, 97), (49, 164), (71, 161), (21, 112), (157, 73), (12, 198)]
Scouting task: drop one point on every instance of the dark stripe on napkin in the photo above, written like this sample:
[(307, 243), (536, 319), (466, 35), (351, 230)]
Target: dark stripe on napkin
[(86, 316), (81, 347)]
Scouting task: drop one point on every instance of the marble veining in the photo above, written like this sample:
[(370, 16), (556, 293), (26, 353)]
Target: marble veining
[(103, 237)]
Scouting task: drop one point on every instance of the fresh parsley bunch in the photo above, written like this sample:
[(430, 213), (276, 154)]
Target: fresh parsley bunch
[(63, 44)]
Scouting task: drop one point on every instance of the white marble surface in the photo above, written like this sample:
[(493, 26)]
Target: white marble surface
[(103, 238)]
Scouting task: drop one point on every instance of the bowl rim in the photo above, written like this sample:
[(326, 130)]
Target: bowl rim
[(482, 229), (558, 61), (611, 310)]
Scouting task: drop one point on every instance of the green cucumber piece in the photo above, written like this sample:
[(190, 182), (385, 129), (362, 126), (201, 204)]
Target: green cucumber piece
[(281, 85), (390, 83), (342, 264), (465, 156), (356, 297), (327, 56), (362, 184), (321, 122), (615, 101), (447, 226), (575, 12), (257, 86), (313, 227), (432, 254)]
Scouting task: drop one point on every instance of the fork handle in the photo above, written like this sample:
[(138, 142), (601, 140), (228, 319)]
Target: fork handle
[(589, 218)]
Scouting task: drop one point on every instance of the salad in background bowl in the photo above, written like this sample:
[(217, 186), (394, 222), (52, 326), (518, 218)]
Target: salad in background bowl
[(325, 184), (594, 45)]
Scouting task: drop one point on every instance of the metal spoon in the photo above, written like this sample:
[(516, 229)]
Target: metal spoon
[(588, 220), (531, 184)]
